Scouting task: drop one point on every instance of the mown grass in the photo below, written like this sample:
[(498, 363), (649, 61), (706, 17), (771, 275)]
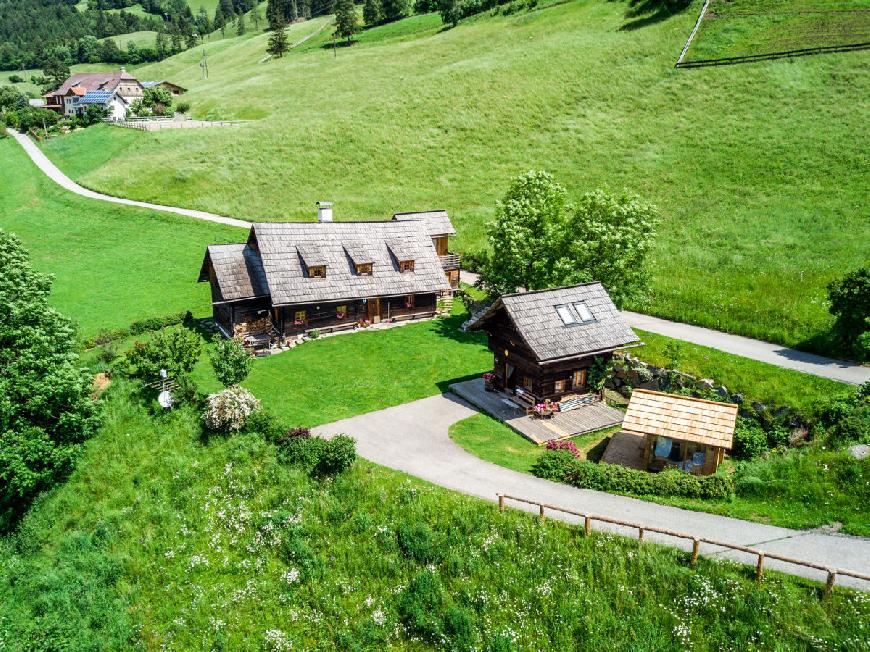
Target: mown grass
[(757, 381), (761, 206), (144, 38), (755, 27), (112, 264), (163, 540)]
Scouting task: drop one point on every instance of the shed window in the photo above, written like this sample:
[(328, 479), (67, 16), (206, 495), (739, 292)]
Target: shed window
[(583, 312), (317, 271), (300, 318), (579, 379), (406, 265), (341, 312), (560, 386), (364, 269)]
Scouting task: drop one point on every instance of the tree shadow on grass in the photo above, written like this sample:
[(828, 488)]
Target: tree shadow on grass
[(641, 13)]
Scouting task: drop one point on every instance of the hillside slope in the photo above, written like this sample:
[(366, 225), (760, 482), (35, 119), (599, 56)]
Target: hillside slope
[(762, 204)]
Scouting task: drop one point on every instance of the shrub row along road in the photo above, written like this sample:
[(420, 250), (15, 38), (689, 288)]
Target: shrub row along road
[(414, 438), (743, 346)]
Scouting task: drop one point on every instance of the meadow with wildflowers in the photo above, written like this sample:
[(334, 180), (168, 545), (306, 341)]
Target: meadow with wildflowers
[(164, 539)]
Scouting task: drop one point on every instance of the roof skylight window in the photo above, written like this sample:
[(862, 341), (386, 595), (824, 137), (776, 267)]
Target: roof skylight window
[(583, 312), (567, 315)]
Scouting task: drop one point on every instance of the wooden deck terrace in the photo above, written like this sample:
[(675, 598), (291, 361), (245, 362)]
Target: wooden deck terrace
[(504, 407)]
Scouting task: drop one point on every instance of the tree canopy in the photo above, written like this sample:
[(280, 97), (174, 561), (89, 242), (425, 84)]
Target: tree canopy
[(46, 411), (538, 240)]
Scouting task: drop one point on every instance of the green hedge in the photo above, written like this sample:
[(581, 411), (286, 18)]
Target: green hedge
[(555, 465), (138, 327)]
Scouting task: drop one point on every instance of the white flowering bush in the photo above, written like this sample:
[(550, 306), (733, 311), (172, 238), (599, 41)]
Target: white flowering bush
[(228, 410)]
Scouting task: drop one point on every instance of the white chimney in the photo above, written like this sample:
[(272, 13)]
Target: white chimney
[(324, 211)]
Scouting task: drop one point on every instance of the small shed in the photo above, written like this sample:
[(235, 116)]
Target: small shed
[(680, 431)]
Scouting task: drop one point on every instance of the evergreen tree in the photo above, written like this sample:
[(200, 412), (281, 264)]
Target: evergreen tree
[(203, 24), (372, 14), (227, 9), (395, 9), (220, 20), (346, 19), (256, 18), (450, 11), (240, 25), (278, 40)]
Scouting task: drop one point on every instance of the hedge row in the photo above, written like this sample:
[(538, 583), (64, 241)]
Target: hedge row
[(138, 327), (563, 467)]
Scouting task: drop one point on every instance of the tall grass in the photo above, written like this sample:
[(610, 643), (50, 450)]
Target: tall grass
[(163, 540)]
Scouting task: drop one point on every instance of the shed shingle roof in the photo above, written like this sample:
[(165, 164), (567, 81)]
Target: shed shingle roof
[(681, 417), (278, 244), (535, 318), (437, 221), (238, 269)]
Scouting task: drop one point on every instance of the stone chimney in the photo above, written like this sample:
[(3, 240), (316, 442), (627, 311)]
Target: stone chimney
[(324, 211)]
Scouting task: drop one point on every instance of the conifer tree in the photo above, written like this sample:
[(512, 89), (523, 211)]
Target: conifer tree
[(346, 19), (372, 14), (278, 40), (240, 25)]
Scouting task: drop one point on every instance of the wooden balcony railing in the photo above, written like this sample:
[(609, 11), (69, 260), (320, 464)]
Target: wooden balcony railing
[(449, 261)]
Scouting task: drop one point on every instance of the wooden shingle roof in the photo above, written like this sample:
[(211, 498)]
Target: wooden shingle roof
[(437, 221), (681, 417), (537, 320), (278, 244), (238, 270)]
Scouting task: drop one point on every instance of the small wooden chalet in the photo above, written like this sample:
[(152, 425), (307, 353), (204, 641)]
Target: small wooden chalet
[(440, 229), (680, 431), (293, 277), (544, 342)]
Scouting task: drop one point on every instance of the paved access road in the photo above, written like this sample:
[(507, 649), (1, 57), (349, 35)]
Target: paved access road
[(742, 346), (413, 438), (775, 354)]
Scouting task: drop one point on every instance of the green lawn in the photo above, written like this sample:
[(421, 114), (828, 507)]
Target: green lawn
[(144, 38), (163, 540), (761, 207), (734, 28), (757, 381), (112, 264)]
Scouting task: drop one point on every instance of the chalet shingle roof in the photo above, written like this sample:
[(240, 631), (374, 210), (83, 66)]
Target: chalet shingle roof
[(92, 81), (437, 221), (238, 269), (278, 243), (681, 417), (535, 317)]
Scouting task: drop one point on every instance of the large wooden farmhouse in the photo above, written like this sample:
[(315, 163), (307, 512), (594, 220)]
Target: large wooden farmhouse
[(290, 278), (544, 342)]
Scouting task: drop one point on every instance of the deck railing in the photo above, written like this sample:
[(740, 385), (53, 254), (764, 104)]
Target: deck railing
[(760, 555), (449, 261)]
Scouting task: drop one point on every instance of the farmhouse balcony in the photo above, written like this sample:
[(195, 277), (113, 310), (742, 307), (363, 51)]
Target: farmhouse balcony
[(449, 261)]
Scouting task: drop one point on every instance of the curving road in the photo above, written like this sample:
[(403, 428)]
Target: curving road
[(414, 438), (774, 354)]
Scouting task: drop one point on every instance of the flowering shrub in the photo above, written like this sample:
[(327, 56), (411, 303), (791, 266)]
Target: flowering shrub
[(228, 410), (488, 376), (564, 445)]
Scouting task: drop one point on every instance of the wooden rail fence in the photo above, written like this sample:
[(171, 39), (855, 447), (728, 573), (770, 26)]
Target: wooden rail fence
[(761, 556)]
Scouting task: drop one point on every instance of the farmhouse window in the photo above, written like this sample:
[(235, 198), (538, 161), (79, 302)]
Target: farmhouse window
[(300, 318), (364, 269), (527, 383), (317, 271), (409, 301), (406, 265), (560, 386), (579, 378), (341, 312)]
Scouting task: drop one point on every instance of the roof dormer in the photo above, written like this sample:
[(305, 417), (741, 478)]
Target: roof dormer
[(403, 253), (313, 260), (361, 257)]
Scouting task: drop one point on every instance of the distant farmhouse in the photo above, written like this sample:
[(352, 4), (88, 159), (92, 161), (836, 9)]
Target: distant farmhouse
[(115, 90), (291, 278)]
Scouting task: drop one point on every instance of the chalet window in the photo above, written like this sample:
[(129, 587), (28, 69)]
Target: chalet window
[(409, 301), (527, 383), (560, 386), (364, 269), (300, 318), (579, 378), (341, 312), (583, 312), (317, 271), (406, 265)]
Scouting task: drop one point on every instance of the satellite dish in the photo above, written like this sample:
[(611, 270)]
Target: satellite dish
[(165, 399)]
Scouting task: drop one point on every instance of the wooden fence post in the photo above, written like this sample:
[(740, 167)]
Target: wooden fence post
[(501, 502), (759, 567), (587, 526), (829, 585), (695, 545), (541, 512), (640, 534)]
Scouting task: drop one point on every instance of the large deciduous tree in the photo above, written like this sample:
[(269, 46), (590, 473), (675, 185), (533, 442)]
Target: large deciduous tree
[(46, 411), (539, 241), (849, 299)]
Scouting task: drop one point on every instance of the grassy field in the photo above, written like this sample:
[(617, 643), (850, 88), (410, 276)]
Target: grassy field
[(756, 27), (161, 540), (112, 264), (144, 38), (761, 207)]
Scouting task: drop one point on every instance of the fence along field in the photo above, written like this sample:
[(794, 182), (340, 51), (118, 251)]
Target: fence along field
[(735, 31)]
